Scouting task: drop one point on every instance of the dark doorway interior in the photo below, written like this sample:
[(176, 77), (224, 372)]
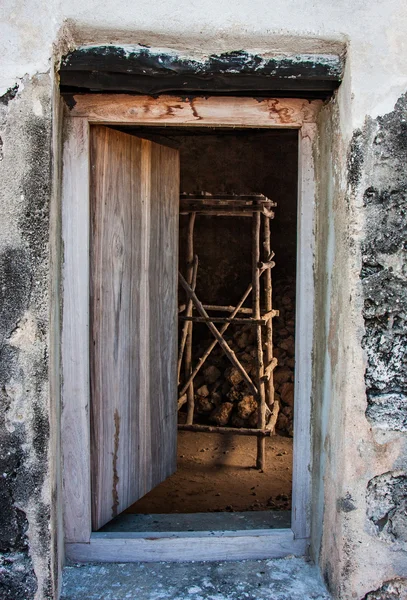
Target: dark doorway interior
[(217, 472)]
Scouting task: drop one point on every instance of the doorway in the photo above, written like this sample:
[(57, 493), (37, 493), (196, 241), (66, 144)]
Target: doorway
[(231, 457), (158, 441)]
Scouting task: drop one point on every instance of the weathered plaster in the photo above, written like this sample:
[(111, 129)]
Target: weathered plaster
[(363, 531), (25, 126), (374, 32)]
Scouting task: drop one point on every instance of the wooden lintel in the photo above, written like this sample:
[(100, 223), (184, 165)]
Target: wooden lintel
[(212, 111)]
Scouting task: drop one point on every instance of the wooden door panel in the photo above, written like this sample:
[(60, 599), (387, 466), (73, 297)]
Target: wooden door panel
[(134, 255)]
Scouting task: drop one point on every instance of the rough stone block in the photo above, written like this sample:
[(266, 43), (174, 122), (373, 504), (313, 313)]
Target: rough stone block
[(221, 414), (395, 589), (387, 507)]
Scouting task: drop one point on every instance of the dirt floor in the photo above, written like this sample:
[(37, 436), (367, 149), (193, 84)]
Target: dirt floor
[(216, 473)]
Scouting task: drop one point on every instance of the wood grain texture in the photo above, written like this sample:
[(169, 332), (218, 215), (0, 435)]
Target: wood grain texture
[(75, 333), (211, 111), (134, 242), (188, 546), (301, 506)]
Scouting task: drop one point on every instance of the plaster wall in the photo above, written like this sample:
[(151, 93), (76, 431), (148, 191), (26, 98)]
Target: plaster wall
[(359, 457)]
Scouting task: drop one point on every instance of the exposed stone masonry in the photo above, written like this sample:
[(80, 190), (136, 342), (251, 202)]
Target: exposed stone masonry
[(387, 508), (24, 306), (384, 271)]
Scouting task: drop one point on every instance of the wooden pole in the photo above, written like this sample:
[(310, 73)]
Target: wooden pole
[(223, 344), (215, 342), (261, 418), (237, 320), (216, 429), (269, 384), (185, 327), (188, 343), (247, 311)]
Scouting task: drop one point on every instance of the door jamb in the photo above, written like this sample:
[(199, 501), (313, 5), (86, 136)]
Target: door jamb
[(169, 110)]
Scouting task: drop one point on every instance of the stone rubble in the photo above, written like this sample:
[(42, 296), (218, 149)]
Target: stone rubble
[(222, 397)]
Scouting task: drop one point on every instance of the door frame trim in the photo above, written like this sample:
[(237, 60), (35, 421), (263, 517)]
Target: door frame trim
[(82, 112)]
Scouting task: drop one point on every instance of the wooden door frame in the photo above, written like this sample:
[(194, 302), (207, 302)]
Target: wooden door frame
[(122, 109)]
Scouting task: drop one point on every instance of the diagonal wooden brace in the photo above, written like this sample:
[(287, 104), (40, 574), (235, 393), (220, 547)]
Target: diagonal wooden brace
[(213, 344), (223, 344), (189, 311)]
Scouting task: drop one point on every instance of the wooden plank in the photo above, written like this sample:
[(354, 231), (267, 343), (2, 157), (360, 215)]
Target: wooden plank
[(134, 241), (163, 297), (214, 111), (188, 546), (75, 435), (304, 319)]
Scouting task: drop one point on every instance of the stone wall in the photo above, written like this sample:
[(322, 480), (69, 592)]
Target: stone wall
[(25, 486), (361, 444)]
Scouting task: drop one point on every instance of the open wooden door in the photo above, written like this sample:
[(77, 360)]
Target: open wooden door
[(133, 288)]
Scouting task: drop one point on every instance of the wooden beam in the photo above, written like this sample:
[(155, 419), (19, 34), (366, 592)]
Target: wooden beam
[(141, 70), (75, 425), (188, 546), (213, 111)]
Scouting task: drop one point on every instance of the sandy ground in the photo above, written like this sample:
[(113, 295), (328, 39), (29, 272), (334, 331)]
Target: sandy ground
[(216, 473)]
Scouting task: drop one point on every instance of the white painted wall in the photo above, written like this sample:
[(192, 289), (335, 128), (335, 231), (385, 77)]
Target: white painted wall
[(375, 31)]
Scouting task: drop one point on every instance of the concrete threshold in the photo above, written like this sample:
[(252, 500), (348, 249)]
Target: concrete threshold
[(276, 579)]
